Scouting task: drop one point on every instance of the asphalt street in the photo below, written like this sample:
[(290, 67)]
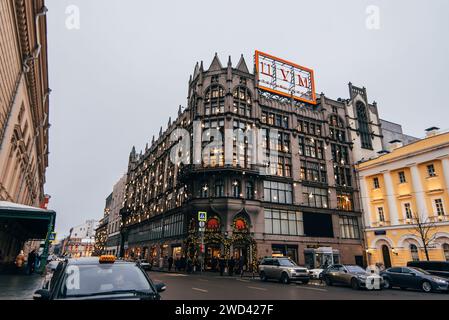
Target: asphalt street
[(211, 286)]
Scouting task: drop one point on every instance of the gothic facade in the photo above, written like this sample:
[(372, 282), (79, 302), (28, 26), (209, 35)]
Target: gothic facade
[(301, 203)]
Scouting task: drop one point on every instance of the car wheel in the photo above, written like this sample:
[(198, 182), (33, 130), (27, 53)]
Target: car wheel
[(263, 276), (285, 279), (355, 284), (426, 286), (328, 281), (387, 284)]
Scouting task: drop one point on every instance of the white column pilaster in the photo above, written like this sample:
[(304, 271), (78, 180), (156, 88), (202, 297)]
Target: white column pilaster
[(445, 163), (419, 193), (392, 207), (365, 202)]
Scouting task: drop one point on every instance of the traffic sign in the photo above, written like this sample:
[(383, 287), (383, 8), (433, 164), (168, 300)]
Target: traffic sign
[(202, 224), (201, 229), (52, 236), (202, 216)]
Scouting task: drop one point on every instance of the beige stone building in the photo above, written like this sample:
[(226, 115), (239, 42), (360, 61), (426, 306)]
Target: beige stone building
[(24, 103)]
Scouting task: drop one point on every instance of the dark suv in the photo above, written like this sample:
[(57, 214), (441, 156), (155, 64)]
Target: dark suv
[(438, 268)]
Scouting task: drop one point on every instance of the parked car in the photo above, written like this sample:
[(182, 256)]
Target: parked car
[(145, 265), (437, 268), (282, 269), (99, 278), (351, 275), (316, 273), (413, 278)]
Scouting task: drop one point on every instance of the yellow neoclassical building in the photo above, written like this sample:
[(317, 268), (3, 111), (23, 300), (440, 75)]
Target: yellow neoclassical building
[(403, 187)]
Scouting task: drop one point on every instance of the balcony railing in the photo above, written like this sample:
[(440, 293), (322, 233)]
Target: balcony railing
[(377, 224), (439, 218)]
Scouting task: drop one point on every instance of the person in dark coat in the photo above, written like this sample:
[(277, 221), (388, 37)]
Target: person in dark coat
[(31, 261), (241, 265), (231, 265), (170, 263), (221, 265)]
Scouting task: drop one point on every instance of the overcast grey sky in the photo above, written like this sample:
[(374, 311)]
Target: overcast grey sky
[(118, 78)]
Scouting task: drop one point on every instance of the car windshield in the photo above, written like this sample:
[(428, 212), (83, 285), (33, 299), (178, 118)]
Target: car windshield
[(355, 269), (287, 263), (86, 280), (420, 270)]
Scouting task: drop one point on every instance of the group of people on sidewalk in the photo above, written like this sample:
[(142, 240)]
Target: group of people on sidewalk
[(32, 263), (186, 264)]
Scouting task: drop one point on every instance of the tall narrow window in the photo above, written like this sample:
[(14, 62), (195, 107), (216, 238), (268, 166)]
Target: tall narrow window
[(408, 211), (236, 189), (402, 177), (431, 170), (242, 101), (219, 188), (376, 183), (439, 207), (364, 130), (446, 251), (380, 211), (414, 252), (214, 100), (249, 190)]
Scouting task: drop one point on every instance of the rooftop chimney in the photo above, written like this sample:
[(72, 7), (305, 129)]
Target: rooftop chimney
[(394, 144), (432, 131)]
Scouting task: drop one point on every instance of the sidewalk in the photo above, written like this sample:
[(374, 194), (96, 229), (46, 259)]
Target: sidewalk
[(19, 286), (205, 273)]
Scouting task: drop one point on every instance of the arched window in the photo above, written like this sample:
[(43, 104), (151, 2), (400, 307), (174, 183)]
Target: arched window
[(219, 188), (414, 252), (364, 130), (236, 189), (446, 251), (213, 224), (214, 100), (249, 190), (240, 224), (242, 101)]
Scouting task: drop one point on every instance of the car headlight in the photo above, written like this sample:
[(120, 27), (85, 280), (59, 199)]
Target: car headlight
[(362, 277), (291, 270), (439, 280)]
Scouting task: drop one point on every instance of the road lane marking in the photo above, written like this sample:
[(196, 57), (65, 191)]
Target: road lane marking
[(203, 280), (309, 288), (176, 275), (257, 288), (241, 280), (200, 290)]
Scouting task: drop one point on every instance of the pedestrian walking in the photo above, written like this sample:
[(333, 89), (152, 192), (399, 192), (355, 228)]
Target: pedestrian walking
[(241, 265), (170, 263), (177, 262), (31, 261), (189, 265), (221, 265), (231, 265)]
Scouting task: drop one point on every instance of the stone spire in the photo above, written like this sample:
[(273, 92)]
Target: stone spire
[(242, 65), (216, 64)]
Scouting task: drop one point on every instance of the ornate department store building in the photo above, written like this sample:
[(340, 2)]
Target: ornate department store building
[(301, 203)]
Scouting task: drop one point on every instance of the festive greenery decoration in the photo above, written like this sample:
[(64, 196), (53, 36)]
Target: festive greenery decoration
[(239, 236)]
